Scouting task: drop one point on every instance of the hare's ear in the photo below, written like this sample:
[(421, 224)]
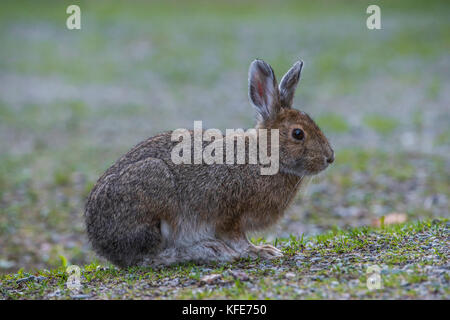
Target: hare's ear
[(263, 90), (289, 83)]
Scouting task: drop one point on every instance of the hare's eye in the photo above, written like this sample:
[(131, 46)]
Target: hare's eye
[(298, 134)]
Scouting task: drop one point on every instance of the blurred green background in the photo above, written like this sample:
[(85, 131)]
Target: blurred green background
[(72, 101)]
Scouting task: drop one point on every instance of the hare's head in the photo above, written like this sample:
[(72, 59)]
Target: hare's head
[(304, 149)]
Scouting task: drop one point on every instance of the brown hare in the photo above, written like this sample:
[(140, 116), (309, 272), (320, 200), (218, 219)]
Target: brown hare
[(146, 210)]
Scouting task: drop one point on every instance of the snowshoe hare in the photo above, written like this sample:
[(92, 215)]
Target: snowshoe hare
[(145, 210)]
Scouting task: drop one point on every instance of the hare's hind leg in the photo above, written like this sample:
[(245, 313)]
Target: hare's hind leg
[(187, 240), (204, 251)]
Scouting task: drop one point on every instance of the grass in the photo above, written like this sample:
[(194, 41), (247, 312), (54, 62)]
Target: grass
[(333, 123), (382, 124), (330, 265)]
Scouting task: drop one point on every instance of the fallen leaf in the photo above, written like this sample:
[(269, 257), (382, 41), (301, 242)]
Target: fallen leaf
[(391, 218), (210, 278)]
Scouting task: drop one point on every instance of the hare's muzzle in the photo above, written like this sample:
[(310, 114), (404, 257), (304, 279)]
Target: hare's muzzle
[(330, 159)]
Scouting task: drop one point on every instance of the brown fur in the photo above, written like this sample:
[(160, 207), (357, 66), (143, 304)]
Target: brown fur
[(146, 210)]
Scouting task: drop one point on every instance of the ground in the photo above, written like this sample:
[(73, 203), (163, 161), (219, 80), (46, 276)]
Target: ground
[(412, 260), (73, 101)]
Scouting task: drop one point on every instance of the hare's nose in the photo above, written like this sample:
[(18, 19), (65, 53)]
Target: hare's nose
[(330, 159)]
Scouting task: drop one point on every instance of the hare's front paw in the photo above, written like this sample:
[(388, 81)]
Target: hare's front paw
[(265, 251)]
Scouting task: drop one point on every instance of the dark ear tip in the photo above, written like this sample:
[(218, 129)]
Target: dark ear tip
[(260, 63), (262, 66), (299, 64)]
